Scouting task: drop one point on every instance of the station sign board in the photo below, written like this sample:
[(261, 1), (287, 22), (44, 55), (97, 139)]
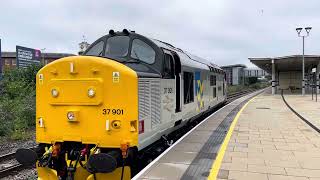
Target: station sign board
[(27, 56)]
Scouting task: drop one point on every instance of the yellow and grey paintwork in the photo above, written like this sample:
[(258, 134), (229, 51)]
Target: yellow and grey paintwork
[(72, 77)]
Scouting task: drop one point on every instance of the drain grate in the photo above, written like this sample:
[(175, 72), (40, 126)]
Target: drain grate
[(262, 108)]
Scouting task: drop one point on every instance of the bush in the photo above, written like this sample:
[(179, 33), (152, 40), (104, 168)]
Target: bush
[(252, 80), (255, 86), (17, 101)]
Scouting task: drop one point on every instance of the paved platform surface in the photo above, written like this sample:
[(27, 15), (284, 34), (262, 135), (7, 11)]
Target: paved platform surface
[(270, 142), (192, 157), (306, 107)]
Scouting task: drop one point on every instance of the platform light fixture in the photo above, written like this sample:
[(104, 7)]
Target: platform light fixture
[(298, 30), (307, 29)]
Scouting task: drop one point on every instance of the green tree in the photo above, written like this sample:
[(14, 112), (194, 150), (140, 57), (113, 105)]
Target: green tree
[(17, 101)]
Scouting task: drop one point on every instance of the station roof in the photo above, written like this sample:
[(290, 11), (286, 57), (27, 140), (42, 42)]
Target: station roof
[(285, 63)]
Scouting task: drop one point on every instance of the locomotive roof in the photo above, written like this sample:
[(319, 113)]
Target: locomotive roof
[(185, 57)]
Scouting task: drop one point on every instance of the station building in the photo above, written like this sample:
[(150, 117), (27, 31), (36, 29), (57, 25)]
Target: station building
[(286, 72), (255, 72), (237, 73), (8, 59), (234, 74)]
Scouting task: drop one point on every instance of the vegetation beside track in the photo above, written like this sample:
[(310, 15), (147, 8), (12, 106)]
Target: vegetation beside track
[(255, 86), (17, 102)]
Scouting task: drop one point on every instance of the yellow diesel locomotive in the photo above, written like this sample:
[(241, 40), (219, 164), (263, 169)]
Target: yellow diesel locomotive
[(98, 113)]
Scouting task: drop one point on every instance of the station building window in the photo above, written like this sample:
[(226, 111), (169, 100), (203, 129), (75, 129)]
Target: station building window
[(188, 87), (7, 62), (142, 51), (14, 62)]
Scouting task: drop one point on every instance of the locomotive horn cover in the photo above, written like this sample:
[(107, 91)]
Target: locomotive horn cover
[(78, 98)]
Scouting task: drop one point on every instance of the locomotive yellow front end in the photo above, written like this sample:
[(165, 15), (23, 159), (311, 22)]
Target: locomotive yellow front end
[(87, 118)]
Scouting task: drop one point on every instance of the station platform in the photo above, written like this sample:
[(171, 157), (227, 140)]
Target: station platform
[(255, 137), (306, 106)]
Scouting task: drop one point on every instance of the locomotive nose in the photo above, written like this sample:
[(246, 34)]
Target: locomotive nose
[(87, 99)]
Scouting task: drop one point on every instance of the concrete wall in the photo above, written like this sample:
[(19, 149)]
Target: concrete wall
[(290, 78), (235, 76)]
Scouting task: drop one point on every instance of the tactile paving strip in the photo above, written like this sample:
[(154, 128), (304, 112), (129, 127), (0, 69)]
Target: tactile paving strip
[(201, 164)]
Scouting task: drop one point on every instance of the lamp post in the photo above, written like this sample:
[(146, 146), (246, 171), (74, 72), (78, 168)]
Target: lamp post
[(308, 29)]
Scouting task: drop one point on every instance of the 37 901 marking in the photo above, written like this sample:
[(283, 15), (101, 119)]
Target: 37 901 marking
[(112, 111)]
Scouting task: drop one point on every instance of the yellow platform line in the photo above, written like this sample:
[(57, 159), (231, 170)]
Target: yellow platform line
[(217, 163)]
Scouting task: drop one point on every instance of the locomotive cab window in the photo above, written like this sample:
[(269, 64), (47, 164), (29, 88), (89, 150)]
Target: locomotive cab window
[(96, 50), (117, 46), (168, 67), (142, 51), (188, 87)]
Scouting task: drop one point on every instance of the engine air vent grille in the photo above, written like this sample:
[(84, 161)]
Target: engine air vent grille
[(155, 103), (149, 101)]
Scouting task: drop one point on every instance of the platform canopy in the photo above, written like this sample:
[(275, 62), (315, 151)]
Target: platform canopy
[(285, 63), (286, 72)]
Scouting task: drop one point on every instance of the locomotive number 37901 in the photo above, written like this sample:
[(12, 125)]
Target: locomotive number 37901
[(112, 111)]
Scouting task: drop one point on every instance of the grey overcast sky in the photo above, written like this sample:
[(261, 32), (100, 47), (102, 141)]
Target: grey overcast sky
[(223, 31)]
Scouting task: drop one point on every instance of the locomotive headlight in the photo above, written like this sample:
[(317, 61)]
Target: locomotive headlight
[(116, 124), (91, 92), (54, 93), (71, 116)]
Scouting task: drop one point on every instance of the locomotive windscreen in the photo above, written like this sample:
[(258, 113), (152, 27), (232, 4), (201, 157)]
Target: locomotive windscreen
[(117, 46), (135, 51)]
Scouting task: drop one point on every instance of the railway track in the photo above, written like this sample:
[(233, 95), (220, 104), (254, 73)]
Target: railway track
[(9, 166), (237, 95)]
